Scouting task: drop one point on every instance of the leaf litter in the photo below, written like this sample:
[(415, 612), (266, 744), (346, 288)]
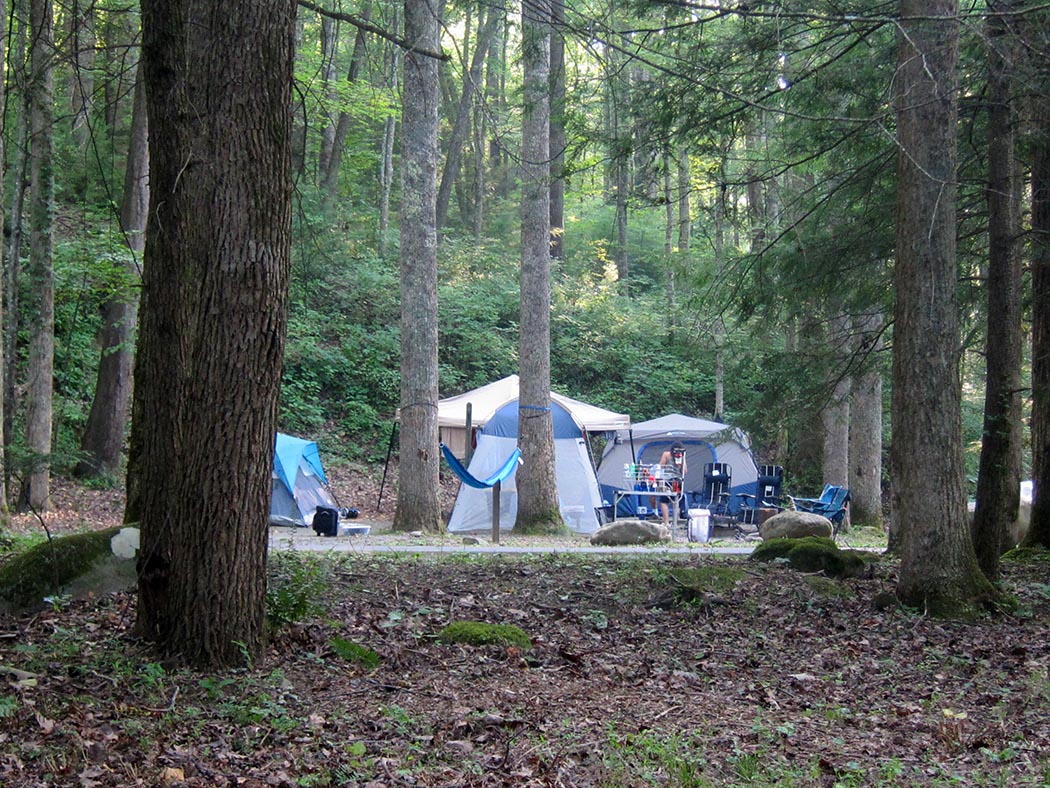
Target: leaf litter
[(777, 684)]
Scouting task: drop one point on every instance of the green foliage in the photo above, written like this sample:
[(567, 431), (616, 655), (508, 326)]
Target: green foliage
[(812, 554), (721, 578), (354, 652), (479, 633), (295, 589), (27, 577)]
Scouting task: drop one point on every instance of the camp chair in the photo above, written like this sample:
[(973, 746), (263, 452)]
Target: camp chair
[(768, 488), (832, 503), (718, 478)]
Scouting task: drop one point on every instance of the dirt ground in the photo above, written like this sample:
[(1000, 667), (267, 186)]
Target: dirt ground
[(768, 677)]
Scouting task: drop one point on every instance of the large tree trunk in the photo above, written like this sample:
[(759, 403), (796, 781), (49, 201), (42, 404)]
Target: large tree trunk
[(939, 572), (865, 430), (213, 316), (417, 501), (103, 436), (998, 482), (538, 509), (40, 304), (1039, 46)]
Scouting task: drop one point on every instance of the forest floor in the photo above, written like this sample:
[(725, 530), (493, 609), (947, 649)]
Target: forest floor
[(766, 677)]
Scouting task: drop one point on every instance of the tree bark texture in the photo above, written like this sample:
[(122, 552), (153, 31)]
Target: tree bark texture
[(865, 429), (999, 478), (1039, 45), (418, 507), (835, 415), (103, 436), (82, 46), (939, 571), (39, 306), (537, 487), (213, 316), (3, 317), (685, 221)]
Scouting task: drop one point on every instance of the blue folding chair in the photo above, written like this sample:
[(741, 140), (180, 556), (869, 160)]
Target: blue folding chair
[(832, 503)]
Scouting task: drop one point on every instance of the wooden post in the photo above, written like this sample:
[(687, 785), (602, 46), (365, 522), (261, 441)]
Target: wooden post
[(495, 511), (468, 450)]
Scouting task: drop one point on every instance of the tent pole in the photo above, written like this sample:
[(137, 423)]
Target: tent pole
[(389, 451), (630, 434), (495, 511)]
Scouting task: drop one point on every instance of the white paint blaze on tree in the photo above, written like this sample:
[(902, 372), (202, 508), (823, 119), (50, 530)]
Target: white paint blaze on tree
[(213, 315), (417, 500), (939, 571), (536, 483)]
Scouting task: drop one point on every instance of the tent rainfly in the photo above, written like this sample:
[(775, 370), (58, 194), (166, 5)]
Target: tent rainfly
[(299, 483), (486, 400)]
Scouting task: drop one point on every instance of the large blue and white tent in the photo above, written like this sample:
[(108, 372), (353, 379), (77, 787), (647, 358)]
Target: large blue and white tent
[(299, 483), (578, 495)]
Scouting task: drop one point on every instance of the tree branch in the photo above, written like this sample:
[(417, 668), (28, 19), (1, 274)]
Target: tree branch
[(365, 25)]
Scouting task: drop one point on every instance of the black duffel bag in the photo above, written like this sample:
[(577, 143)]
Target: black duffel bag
[(326, 521)]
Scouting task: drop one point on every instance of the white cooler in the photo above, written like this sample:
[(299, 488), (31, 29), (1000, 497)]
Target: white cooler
[(699, 525)]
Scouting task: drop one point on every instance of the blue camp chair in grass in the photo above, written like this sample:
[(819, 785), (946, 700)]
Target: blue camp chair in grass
[(832, 503), (768, 488)]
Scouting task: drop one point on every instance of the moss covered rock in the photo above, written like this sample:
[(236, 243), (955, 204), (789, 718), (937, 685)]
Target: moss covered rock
[(812, 554), (480, 633), (57, 565)]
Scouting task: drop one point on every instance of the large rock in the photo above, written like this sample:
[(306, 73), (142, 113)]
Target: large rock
[(795, 525), (628, 532)]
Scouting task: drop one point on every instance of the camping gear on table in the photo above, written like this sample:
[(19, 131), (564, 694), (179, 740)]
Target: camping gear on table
[(705, 442)]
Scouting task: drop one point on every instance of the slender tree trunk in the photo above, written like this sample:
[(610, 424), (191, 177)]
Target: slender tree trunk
[(865, 430), (103, 436), (939, 572), (557, 130), (685, 221), (40, 305), (417, 501), (538, 509), (82, 81), (334, 163), (213, 317), (329, 47), (669, 228), (20, 181), (3, 317), (835, 415), (1039, 527), (998, 482), (461, 126), (386, 164)]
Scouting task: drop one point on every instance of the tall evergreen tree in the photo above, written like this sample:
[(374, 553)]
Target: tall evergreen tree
[(939, 571), (999, 478)]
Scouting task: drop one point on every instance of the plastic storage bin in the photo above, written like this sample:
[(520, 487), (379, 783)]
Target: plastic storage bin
[(699, 525)]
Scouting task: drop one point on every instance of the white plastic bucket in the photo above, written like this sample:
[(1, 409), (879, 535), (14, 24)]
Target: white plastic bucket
[(699, 525)]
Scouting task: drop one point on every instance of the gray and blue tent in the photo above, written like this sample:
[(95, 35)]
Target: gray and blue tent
[(705, 442), (299, 483)]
